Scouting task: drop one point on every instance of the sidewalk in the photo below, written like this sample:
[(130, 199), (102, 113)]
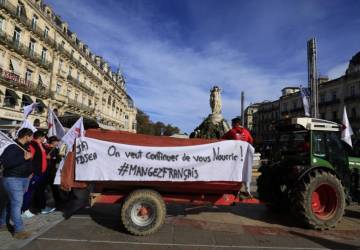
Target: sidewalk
[(36, 225)]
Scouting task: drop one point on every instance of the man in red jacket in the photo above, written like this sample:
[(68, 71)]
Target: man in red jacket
[(238, 132)]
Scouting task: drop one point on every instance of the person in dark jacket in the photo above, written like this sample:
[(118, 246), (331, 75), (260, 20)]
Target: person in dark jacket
[(17, 165), (53, 159), (36, 194)]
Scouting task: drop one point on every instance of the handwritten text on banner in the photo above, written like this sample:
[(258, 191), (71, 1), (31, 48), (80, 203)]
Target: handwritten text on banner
[(98, 160)]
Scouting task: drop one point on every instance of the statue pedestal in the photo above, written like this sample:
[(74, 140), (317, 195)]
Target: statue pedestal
[(216, 118), (213, 127)]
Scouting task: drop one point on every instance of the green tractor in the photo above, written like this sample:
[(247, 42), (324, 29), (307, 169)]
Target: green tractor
[(312, 172)]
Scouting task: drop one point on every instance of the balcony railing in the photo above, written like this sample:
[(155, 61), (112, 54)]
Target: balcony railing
[(80, 85), (14, 81), (331, 102), (20, 48), (352, 98), (80, 106), (12, 10)]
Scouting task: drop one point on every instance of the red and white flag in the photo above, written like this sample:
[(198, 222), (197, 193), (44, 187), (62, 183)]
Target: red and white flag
[(55, 128), (347, 131), (76, 131)]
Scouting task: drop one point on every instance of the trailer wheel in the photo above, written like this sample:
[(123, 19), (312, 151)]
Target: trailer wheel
[(143, 212), (319, 200)]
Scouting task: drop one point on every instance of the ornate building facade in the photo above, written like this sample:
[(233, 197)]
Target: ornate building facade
[(42, 61), (333, 95)]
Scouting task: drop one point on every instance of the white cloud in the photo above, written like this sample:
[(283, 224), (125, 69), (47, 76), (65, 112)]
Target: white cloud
[(170, 81), (338, 70)]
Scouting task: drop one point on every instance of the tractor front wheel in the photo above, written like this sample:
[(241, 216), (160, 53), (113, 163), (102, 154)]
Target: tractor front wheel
[(319, 200)]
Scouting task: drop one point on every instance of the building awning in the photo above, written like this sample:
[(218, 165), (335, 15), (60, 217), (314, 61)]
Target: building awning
[(69, 120), (15, 65), (40, 103), (12, 93), (26, 100)]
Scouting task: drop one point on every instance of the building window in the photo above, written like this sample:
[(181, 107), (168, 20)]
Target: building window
[(43, 55), (60, 64), (58, 88), (333, 95), (10, 99), (285, 106), (353, 113), (70, 71), (28, 75), (352, 90), (34, 22), (69, 91), (322, 98), (2, 24), (334, 116), (32, 47), (109, 100), (76, 96), (20, 9), (16, 36), (46, 32)]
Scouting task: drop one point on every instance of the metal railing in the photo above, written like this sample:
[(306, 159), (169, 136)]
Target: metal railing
[(20, 48), (80, 85)]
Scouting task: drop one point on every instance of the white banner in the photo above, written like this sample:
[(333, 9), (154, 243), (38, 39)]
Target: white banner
[(98, 160)]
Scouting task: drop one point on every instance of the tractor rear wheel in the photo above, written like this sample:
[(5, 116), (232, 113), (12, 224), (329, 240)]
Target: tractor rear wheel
[(143, 212), (319, 200)]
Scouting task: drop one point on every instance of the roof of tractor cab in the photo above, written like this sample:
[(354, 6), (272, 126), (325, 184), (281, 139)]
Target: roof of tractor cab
[(309, 123)]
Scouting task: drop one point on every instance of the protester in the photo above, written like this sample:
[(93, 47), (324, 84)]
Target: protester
[(54, 158), (36, 193), (238, 132), (17, 165)]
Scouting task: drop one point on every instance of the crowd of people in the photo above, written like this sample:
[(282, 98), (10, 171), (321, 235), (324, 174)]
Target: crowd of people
[(28, 171)]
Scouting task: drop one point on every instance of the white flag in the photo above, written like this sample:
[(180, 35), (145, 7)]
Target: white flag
[(347, 131), (305, 95), (76, 131), (55, 128), (26, 124), (29, 109), (5, 141)]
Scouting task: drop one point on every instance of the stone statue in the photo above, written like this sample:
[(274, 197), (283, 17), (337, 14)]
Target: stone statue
[(213, 126), (215, 100)]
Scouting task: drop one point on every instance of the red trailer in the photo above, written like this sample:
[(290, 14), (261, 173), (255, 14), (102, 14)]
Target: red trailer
[(143, 207)]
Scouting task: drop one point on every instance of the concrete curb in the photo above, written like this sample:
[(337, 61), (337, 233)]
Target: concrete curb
[(42, 231)]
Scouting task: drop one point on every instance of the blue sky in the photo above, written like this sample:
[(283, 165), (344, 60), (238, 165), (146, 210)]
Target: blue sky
[(173, 51)]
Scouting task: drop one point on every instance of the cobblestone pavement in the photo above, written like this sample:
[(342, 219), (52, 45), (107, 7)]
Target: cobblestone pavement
[(242, 226), (237, 227), (36, 225)]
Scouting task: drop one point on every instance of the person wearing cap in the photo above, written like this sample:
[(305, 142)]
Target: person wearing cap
[(238, 132)]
